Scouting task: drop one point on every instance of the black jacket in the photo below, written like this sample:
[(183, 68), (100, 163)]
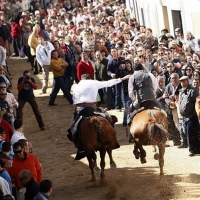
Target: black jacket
[(32, 188)]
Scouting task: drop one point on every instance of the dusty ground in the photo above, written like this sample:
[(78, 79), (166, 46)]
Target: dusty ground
[(130, 181)]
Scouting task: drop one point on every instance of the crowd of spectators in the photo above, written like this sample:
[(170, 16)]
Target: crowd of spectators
[(95, 37)]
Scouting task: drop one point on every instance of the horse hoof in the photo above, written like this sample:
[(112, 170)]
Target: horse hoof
[(161, 177), (156, 156), (96, 170), (113, 165), (137, 154), (143, 160)]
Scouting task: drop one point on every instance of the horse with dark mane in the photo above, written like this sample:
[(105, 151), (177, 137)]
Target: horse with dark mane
[(150, 126), (97, 134)]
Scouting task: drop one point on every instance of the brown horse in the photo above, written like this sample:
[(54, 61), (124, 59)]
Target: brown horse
[(97, 134), (197, 106), (150, 127)]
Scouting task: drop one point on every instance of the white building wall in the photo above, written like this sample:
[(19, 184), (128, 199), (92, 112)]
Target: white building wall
[(153, 14)]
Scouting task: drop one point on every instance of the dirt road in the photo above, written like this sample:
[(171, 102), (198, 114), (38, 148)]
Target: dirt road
[(130, 181)]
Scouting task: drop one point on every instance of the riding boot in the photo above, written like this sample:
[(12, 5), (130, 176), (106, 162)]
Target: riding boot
[(79, 155), (129, 135), (69, 135)]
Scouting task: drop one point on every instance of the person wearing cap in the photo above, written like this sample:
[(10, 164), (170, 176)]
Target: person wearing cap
[(187, 99), (37, 16), (23, 19), (32, 19)]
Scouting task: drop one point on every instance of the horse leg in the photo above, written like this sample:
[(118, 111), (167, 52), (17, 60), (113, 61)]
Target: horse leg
[(91, 165), (112, 162), (142, 154), (102, 163), (156, 155), (135, 151), (96, 169), (161, 148)]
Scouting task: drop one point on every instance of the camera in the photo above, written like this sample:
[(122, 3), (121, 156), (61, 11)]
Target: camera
[(28, 77)]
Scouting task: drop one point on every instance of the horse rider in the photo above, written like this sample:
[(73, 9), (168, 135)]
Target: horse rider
[(142, 86), (85, 95)]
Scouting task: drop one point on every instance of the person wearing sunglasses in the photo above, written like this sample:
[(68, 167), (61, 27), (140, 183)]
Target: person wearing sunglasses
[(23, 160), (189, 72)]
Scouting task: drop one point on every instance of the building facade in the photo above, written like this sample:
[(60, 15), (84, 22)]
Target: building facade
[(170, 14)]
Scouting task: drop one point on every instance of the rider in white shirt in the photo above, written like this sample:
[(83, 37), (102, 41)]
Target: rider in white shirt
[(85, 94)]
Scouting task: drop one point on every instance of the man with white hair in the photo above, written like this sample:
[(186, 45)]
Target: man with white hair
[(43, 56)]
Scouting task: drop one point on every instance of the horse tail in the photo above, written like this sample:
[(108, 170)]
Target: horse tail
[(96, 123), (157, 132)]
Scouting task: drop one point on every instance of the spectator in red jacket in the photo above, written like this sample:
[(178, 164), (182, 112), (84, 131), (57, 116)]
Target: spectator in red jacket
[(85, 67), (8, 129), (16, 34), (23, 160)]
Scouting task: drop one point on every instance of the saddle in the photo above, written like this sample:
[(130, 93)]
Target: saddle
[(89, 111)]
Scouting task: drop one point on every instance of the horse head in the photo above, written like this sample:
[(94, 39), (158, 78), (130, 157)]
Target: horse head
[(114, 120)]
